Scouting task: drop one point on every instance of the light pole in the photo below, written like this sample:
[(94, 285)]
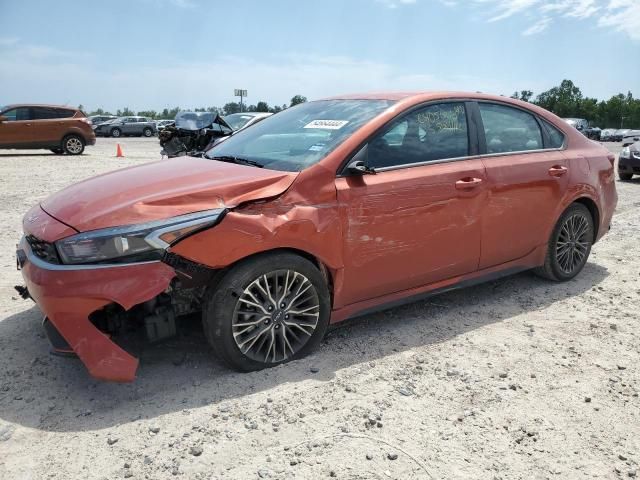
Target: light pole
[(240, 93)]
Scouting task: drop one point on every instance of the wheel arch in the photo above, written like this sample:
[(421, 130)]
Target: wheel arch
[(327, 273), (594, 211)]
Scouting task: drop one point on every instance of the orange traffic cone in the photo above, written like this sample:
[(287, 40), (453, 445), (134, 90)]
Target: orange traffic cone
[(119, 151)]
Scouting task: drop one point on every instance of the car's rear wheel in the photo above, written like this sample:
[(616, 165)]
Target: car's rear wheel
[(625, 177), (57, 151), (116, 132), (266, 311), (569, 245), (73, 145), (147, 132)]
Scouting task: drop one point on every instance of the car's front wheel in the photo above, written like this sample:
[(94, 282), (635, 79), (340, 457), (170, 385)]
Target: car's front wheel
[(73, 145), (147, 132), (267, 310), (625, 177), (116, 132), (569, 245)]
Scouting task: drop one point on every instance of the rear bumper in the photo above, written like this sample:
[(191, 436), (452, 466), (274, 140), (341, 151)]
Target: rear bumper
[(67, 295)]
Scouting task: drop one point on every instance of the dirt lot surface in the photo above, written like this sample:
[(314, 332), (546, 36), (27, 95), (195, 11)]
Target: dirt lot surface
[(518, 378)]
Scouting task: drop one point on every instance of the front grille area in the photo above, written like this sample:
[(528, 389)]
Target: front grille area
[(43, 250)]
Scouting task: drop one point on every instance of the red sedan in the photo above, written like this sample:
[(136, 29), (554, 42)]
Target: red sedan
[(327, 210)]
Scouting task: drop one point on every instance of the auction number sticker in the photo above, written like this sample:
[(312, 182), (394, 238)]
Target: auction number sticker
[(327, 124)]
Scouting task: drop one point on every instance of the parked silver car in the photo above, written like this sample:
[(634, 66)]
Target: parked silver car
[(239, 121), (630, 137), (127, 126)]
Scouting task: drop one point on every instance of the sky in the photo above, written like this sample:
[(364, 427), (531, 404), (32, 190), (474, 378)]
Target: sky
[(155, 54)]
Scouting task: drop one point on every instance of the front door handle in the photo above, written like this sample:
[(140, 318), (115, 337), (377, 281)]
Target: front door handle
[(468, 183), (558, 170)]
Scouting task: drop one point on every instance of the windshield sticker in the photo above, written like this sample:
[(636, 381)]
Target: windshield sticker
[(316, 148), (327, 124)]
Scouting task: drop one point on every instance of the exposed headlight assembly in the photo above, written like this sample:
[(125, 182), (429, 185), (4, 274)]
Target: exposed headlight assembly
[(133, 243)]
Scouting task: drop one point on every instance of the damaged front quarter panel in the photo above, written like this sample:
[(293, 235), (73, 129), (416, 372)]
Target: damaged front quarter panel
[(305, 219)]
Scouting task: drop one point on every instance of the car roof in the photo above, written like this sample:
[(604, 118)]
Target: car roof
[(17, 105)]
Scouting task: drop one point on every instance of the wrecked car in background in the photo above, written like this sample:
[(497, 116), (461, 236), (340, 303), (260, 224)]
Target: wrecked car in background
[(192, 133), (327, 210)]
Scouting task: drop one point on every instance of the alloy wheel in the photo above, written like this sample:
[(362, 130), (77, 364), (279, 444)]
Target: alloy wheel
[(574, 241), (74, 145), (275, 316)]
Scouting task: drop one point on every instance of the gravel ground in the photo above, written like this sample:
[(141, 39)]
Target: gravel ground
[(518, 378)]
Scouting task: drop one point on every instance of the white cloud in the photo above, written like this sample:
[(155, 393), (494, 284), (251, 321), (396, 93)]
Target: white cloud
[(538, 27), (396, 3), (621, 15), (73, 79)]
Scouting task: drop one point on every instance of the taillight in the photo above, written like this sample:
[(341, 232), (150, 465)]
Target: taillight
[(86, 120), (612, 159)]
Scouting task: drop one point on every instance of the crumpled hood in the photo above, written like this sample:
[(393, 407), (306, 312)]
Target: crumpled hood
[(162, 189)]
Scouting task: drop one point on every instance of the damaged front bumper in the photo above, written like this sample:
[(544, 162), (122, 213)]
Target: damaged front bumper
[(69, 294)]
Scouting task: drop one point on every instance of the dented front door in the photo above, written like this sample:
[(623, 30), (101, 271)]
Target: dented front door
[(410, 227)]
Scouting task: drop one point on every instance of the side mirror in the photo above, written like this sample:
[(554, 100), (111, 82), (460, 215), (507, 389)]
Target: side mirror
[(3, 118), (358, 167), (358, 164)]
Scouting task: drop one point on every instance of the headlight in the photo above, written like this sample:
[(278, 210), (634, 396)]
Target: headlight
[(132, 243), (625, 153)]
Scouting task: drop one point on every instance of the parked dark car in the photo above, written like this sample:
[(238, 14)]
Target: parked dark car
[(619, 135), (57, 128), (594, 133), (629, 161), (608, 134), (127, 126)]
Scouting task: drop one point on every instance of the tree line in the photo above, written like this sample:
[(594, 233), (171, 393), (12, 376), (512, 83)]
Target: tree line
[(227, 109), (567, 101)]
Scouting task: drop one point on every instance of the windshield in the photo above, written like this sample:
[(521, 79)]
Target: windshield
[(194, 120), (301, 136), (237, 120)]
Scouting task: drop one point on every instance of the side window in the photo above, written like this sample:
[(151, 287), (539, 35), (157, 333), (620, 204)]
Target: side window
[(556, 137), (64, 113), (143, 120), (508, 129), (20, 113), (44, 113), (435, 132)]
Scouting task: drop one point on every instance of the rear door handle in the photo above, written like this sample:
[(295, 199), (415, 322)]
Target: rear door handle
[(558, 170), (468, 183)]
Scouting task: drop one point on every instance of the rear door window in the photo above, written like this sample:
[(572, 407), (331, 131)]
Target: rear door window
[(44, 113), (435, 132), (509, 129), (556, 137)]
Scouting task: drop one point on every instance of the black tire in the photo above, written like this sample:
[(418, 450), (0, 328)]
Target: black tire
[(222, 307), (73, 144), (567, 254), (625, 177), (147, 132), (57, 151), (115, 132)]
